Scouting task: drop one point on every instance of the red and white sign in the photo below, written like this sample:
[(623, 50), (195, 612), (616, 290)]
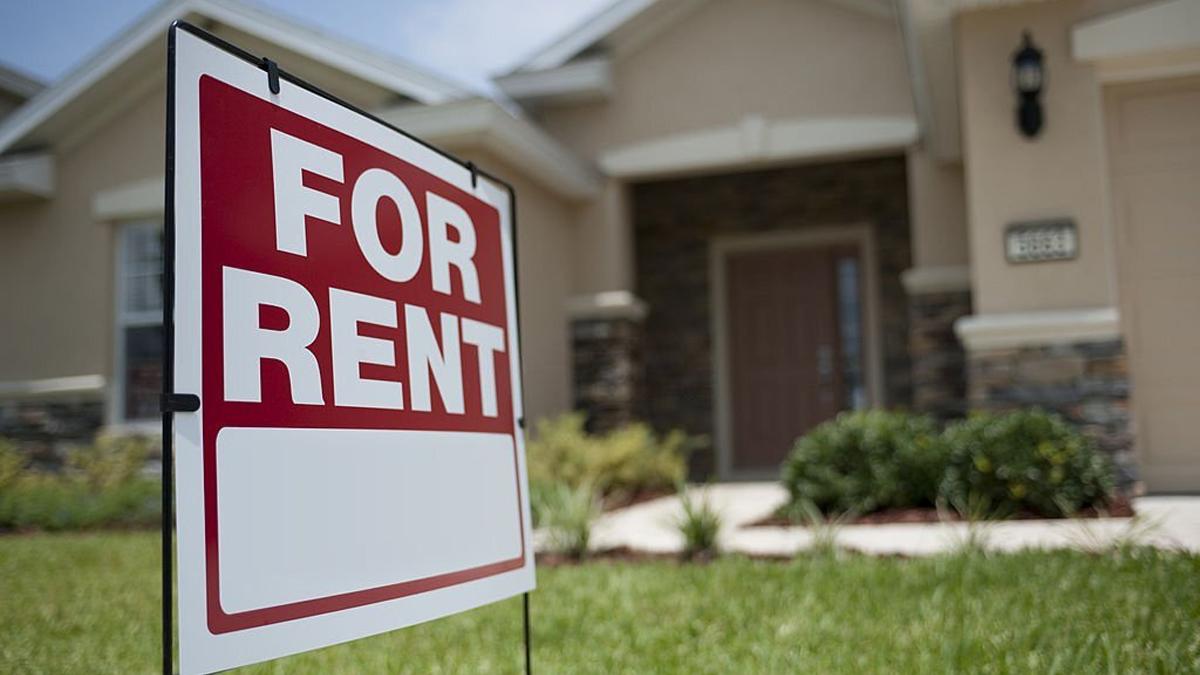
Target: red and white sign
[(345, 309)]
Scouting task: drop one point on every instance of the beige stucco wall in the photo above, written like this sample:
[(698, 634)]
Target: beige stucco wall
[(937, 207), (603, 242), (725, 60), (732, 58), (1061, 173), (56, 261)]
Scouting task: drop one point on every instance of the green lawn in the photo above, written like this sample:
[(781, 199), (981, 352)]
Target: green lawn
[(89, 604)]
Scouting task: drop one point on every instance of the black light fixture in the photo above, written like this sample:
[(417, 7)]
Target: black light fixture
[(1028, 79)]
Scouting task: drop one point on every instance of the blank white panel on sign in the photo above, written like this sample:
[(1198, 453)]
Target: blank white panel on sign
[(413, 511)]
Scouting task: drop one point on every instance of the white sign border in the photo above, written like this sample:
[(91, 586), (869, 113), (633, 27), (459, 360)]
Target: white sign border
[(201, 651)]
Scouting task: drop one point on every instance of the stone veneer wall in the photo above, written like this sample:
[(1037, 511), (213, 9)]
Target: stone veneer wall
[(607, 369), (45, 428), (674, 221), (1085, 382), (939, 363)]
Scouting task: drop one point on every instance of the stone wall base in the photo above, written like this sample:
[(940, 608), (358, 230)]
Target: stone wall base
[(938, 360), (1085, 382), (47, 428), (607, 370)]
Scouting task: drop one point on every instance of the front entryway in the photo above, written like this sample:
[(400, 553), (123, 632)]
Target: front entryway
[(1154, 149), (792, 321), (684, 228)]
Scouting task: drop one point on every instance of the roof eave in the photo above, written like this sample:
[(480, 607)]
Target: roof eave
[(483, 124), (360, 63)]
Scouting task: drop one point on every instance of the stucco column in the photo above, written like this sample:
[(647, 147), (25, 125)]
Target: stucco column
[(937, 298), (938, 285)]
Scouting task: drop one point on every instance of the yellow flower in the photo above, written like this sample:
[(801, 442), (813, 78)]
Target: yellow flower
[(983, 464)]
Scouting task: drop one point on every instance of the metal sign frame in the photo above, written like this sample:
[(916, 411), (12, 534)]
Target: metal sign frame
[(174, 402)]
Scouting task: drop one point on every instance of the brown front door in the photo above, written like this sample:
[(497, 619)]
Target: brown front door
[(787, 367)]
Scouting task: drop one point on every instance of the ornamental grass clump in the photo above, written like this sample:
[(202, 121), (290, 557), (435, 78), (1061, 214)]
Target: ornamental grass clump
[(1025, 461), (566, 513), (700, 525)]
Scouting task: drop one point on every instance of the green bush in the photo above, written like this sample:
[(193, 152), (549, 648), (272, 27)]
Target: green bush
[(866, 461), (627, 460), (101, 486), (1025, 461), (110, 461), (12, 463)]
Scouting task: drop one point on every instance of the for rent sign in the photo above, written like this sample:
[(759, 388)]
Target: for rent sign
[(345, 309)]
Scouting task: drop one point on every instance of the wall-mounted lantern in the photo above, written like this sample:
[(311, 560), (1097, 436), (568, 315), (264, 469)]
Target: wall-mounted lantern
[(1028, 79)]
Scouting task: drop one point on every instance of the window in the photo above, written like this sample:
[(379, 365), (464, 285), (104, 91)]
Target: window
[(850, 329), (139, 321)]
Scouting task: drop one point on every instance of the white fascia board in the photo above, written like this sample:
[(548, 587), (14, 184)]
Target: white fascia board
[(26, 176), (484, 124), (1028, 329), (586, 34), (583, 80), (607, 305), (140, 199), (1147, 29), (757, 141), (152, 29), (88, 385)]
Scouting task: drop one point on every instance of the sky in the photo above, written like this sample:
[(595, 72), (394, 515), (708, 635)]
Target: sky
[(465, 41)]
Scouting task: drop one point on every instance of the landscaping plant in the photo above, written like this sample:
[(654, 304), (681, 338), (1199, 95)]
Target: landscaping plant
[(867, 461), (566, 513), (101, 485), (699, 523), (624, 461), (823, 530), (1025, 461)]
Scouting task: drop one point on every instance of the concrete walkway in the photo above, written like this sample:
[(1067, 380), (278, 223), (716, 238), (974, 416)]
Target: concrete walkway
[(1166, 522)]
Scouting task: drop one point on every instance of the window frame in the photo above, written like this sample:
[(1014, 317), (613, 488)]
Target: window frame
[(123, 319)]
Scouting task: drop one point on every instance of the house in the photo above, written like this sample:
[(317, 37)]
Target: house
[(81, 200), (737, 218)]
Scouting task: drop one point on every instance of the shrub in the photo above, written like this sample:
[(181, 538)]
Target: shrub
[(627, 460), (865, 461), (12, 463), (110, 461), (101, 486), (566, 513), (699, 524), (1025, 461)]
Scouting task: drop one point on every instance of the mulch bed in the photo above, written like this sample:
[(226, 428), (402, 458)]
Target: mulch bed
[(1120, 507), (624, 554), (621, 500)]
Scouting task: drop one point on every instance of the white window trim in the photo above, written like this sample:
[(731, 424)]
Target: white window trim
[(117, 422)]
